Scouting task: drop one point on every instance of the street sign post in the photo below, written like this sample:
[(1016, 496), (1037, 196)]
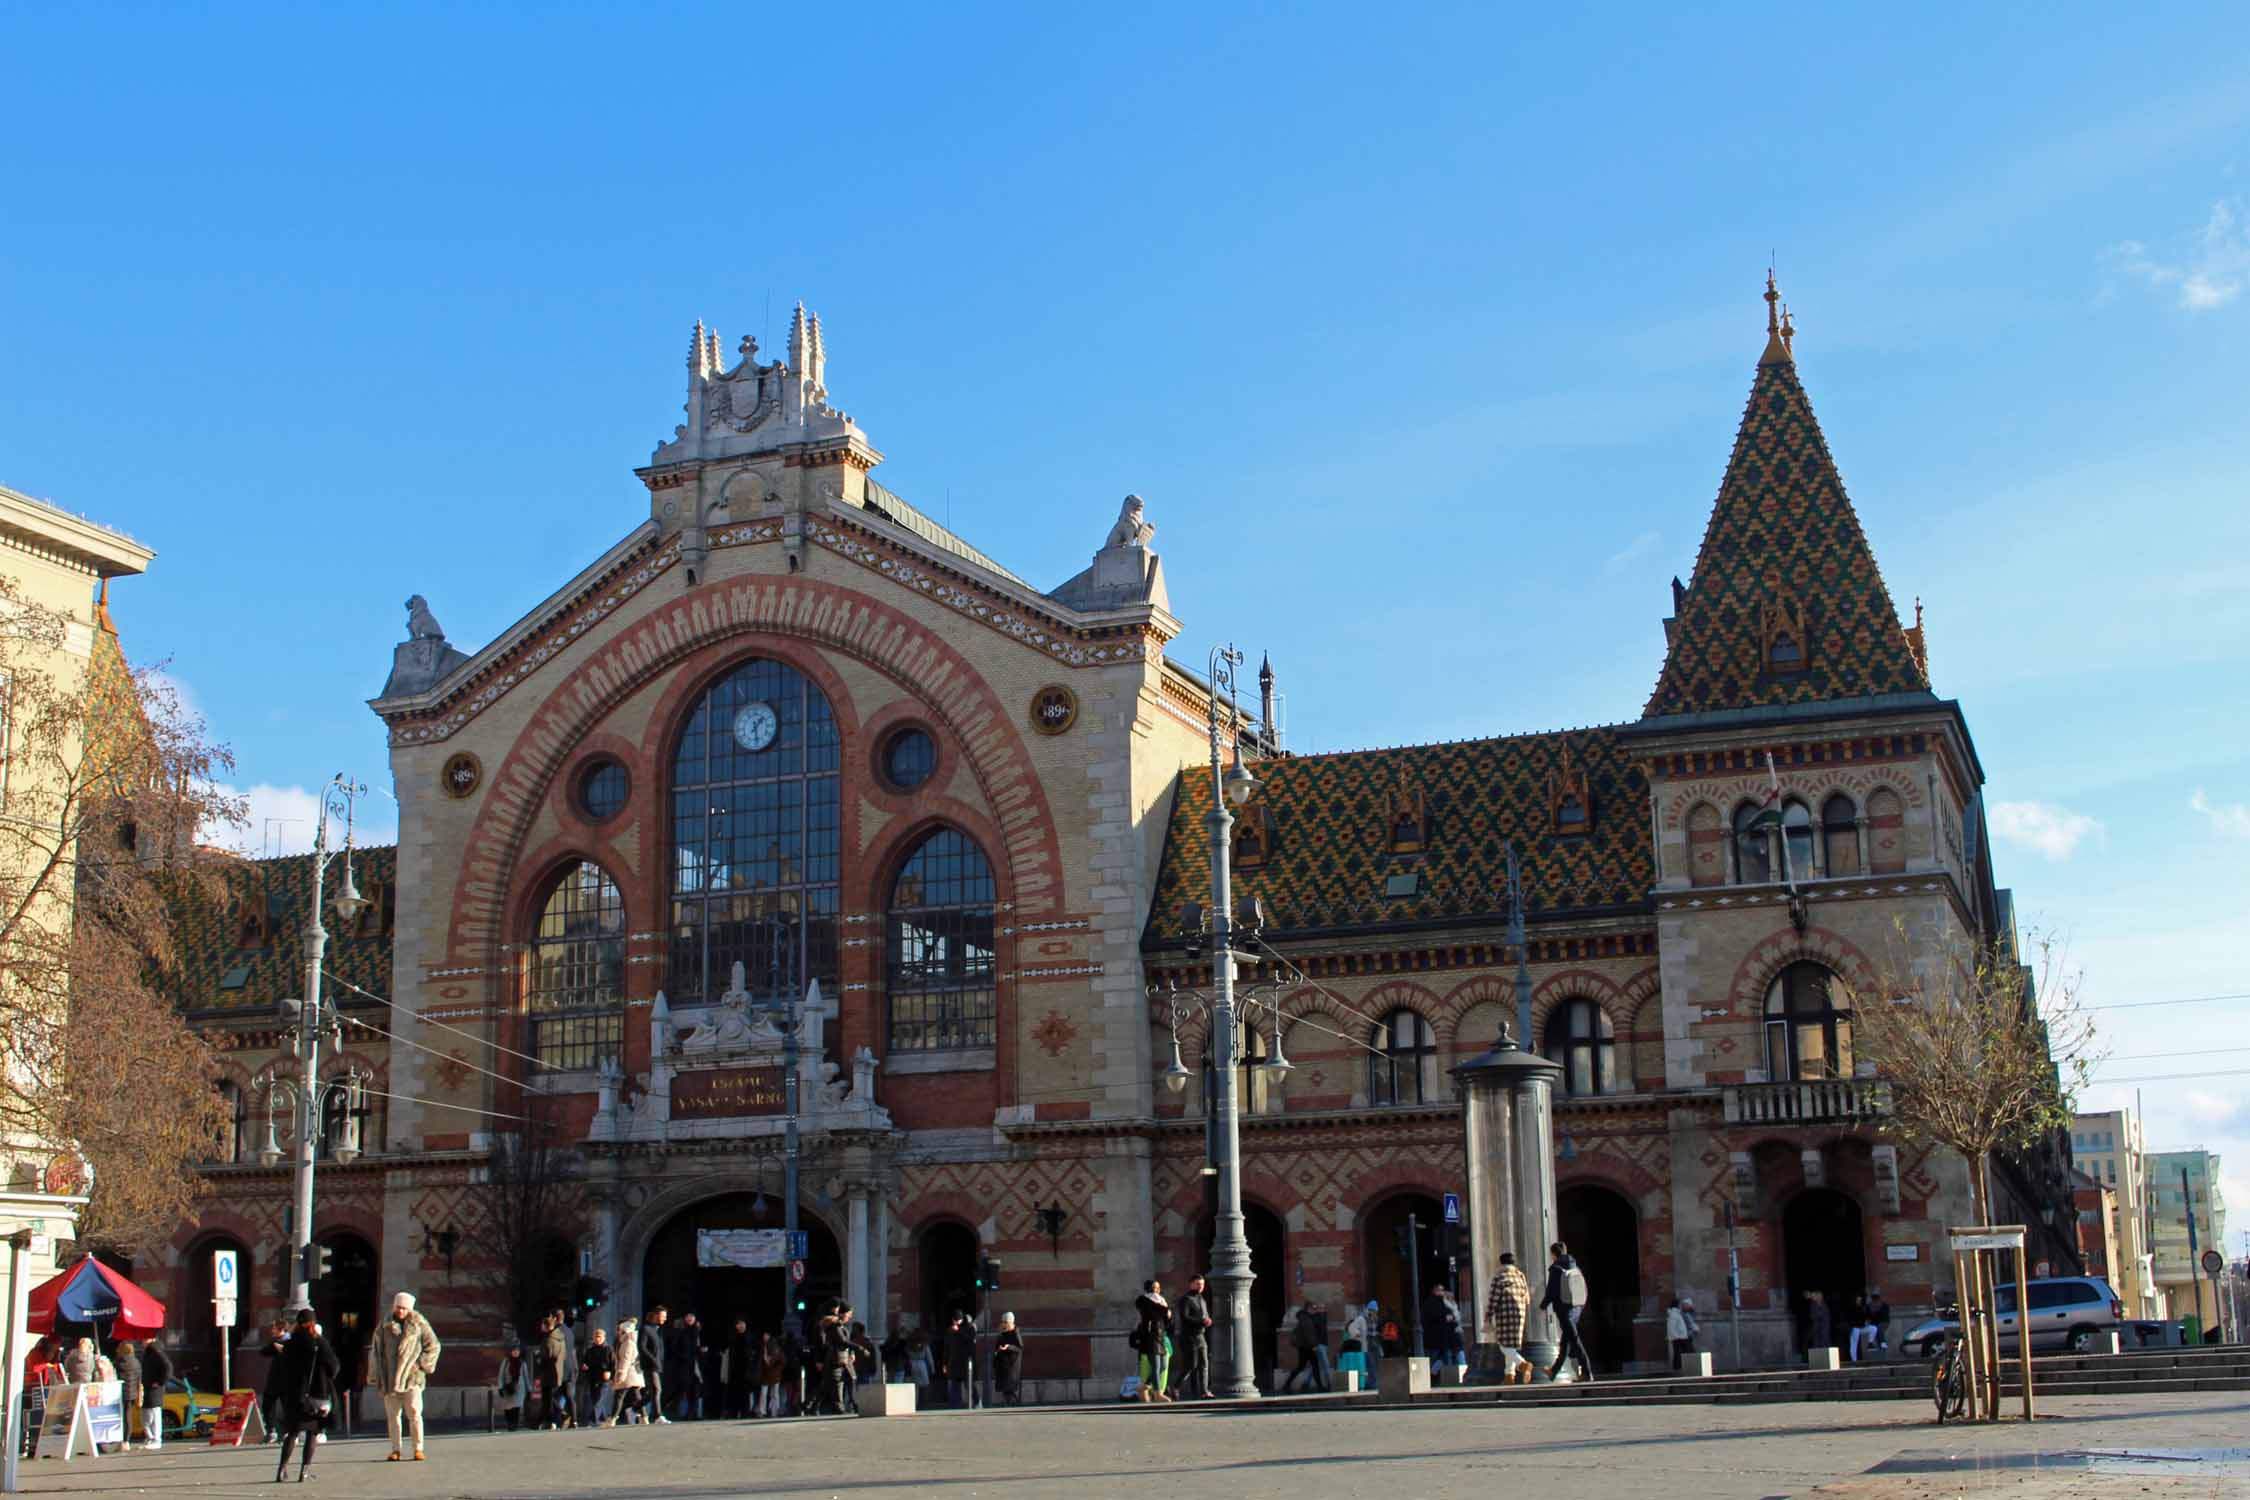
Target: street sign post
[(1452, 1208), (225, 1290)]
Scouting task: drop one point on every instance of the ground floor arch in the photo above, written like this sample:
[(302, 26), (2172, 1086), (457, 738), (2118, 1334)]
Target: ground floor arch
[(345, 1299), (199, 1346), (1603, 1231), (718, 1295), (1269, 1286), (1387, 1278), (946, 1252), (1824, 1250)]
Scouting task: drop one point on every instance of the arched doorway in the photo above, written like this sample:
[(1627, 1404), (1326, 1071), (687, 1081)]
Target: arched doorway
[(1387, 1279), (718, 1295), (1604, 1236), (199, 1350), (344, 1301), (1823, 1249), (945, 1254), (1269, 1286)]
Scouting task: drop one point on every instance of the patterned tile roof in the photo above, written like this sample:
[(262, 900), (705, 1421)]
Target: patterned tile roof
[(246, 949), (1328, 821), (113, 710), (1783, 542)]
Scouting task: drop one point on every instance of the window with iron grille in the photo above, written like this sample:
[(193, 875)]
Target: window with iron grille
[(577, 999), (940, 968), (755, 840)]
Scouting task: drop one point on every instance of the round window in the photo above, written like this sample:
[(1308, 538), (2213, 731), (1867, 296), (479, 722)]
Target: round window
[(603, 790), (909, 759)]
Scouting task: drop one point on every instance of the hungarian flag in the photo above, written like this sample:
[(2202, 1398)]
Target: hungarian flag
[(1769, 806)]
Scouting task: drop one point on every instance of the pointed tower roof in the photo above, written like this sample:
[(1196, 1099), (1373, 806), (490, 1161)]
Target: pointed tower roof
[(1786, 604)]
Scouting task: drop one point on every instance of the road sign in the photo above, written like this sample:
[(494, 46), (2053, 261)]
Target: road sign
[(2213, 1263), (800, 1246), (796, 1272), (1452, 1208), (222, 1312), (223, 1272)]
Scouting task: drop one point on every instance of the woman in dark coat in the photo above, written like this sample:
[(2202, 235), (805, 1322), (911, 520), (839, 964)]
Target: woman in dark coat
[(308, 1392)]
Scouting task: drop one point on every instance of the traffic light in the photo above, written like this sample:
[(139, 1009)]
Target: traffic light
[(1446, 1236), (1403, 1239), (591, 1292), (988, 1275), (318, 1261)]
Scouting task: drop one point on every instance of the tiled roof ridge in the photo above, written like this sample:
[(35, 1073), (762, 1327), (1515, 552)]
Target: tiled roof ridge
[(1467, 739)]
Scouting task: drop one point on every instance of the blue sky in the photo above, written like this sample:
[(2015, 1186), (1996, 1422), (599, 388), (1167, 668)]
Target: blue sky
[(1423, 331)]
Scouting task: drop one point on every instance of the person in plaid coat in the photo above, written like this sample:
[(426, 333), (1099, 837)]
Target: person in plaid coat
[(1507, 1307)]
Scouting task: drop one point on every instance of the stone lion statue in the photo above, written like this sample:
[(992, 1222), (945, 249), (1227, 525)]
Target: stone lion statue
[(421, 625), (1132, 528)]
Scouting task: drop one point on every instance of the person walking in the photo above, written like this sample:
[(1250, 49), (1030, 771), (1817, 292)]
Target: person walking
[(1507, 1311), (652, 1348), (1441, 1326), (1818, 1334), (773, 1374), (1152, 1339), (557, 1372), (961, 1360), (129, 1385), (269, 1393), (511, 1386), (1193, 1344), (1007, 1361), (628, 1383), (1304, 1337), (1566, 1298), (738, 1370), (596, 1364), (1680, 1327), (683, 1368), (308, 1393), (406, 1355)]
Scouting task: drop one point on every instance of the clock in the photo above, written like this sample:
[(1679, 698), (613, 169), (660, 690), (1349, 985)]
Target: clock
[(755, 726)]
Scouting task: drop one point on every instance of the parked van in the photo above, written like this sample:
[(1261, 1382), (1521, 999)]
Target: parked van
[(2067, 1312)]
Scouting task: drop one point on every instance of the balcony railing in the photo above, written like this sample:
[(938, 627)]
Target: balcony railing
[(1809, 1102)]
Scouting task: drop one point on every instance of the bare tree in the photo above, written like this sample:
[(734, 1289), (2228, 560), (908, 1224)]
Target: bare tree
[(1982, 1052), (109, 780), (529, 1197)]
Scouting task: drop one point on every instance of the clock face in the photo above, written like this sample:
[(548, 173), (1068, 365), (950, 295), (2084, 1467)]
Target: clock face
[(755, 725)]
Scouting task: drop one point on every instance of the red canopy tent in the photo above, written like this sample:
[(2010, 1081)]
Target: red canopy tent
[(91, 1292)]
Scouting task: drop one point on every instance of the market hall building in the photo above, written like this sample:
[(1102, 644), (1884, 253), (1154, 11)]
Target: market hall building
[(788, 734)]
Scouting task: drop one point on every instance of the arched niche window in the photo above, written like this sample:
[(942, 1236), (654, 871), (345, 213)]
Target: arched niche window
[(577, 992), (1249, 841), (1581, 1038), (755, 853), (235, 1122), (1806, 1035), (1403, 1068), (1753, 851), (1839, 834), (1886, 832), (940, 968), (1797, 834), (1706, 846)]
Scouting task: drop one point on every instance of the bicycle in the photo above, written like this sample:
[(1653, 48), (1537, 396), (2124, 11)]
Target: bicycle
[(1949, 1374)]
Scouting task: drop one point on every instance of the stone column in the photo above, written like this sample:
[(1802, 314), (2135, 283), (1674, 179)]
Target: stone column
[(877, 1310), (858, 1254), (1508, 1137)]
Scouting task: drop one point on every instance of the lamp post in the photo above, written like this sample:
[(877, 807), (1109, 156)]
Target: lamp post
[(307, 1096), (1230, 1273)]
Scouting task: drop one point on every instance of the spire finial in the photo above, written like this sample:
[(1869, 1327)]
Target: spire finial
[(1777, 341), (1788, 331), (695, 353), (1773, 303)]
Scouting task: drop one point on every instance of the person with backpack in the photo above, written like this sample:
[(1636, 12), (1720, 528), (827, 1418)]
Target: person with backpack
[(1566, 1298)]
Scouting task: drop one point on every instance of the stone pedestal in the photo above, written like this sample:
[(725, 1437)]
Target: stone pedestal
[(1402, 1379), (1697, 1365), (2109, 1341), (1830, 1358), (1348, 1380), (886, 1400)]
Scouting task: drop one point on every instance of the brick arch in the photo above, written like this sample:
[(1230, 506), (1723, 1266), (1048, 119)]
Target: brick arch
[(1573, 984), (1832, 950), (1641, 998), (1599, 1168), (692, 636), (1402, 994)]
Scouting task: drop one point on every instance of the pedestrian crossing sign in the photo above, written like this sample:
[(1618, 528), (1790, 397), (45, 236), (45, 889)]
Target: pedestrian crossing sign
[(1452, 1208)]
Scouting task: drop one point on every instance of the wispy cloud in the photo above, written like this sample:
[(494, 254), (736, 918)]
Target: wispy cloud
[(2054, 831), (2230, 818), (1639, 547), (2210, 269)]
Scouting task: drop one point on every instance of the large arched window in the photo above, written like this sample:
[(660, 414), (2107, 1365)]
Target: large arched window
[(1753, 856), (1580, 1037), (1403, 1067), (754, 837), (1806, 1035), (1839, 833), (939, 977), (577, 998)]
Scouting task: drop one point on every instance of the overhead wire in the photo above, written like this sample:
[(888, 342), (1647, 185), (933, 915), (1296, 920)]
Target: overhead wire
[(2184, 1000), (427, 1021)]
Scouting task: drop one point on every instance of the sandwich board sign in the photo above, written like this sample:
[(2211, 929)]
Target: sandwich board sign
[(66, 1427), (239, 1419)]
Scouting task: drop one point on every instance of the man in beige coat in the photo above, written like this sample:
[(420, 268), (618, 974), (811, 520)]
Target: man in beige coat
[(406, 1352)]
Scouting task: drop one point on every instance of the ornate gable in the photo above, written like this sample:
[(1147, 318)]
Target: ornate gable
[(1786, 604)]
